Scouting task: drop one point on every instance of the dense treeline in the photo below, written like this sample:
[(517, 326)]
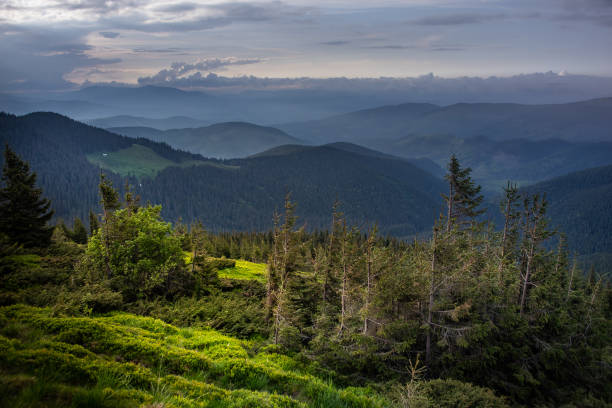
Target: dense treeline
[(498, 309)]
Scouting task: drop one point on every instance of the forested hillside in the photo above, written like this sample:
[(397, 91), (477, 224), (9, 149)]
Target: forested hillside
[(521, 160), (581, 206), (57, 147), (524, 143), (221, 140), (236, 194)]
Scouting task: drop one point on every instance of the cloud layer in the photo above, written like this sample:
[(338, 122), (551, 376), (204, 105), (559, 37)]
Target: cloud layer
[(140, 41), (178, 71)]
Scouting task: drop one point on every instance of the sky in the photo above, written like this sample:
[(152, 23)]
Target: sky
[(63, 44)]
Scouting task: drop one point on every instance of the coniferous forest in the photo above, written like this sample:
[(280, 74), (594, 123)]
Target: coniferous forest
[(127, 309)]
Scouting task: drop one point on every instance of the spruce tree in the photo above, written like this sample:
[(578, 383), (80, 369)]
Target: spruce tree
[(24, 213), (463, 197), (94, 224)]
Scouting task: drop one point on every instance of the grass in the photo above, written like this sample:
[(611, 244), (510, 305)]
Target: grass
[(140, 161), (124, 360), (245, 270)]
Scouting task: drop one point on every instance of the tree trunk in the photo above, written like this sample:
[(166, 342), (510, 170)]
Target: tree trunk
[(368, 285), (532, 244), (450, 204), (431, 301), (571, 280), (503, 242)]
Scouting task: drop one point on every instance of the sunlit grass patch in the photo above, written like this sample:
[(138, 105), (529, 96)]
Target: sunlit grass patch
[(245, 270), (127, 360)]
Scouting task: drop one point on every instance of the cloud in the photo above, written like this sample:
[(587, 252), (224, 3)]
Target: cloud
[(459, 19), (178, 8), (150, 16), (178, 70), (598, 12), (546, 87), (109, 34), (158, 50), (391, 47), (335, 43), (41, 58), (445, 49)]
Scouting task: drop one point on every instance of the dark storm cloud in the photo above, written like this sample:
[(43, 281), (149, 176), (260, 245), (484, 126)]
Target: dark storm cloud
[(109, 34), (459, 19)]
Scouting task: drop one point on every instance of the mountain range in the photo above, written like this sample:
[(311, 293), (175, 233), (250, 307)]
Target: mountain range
[(221, 140), (239, 194), (586, 121)]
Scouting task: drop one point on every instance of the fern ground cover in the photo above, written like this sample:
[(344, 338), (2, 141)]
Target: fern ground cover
[(245, 270), (126, 360)]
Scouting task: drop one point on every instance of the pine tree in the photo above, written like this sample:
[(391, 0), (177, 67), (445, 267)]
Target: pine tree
[(24, 213), (94, 224), (463, 197), (79, 232), (109, 198)]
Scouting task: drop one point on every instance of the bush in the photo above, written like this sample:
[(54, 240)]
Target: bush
[(457, 394), (221, 263), (138, 251)]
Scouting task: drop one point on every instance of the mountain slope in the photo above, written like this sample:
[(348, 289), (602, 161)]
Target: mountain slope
[(239, 194), (174, 122), (579, 122), (59, 150), (580, 204), (368, 125), (402, 198), (495, 162), (221, 140)]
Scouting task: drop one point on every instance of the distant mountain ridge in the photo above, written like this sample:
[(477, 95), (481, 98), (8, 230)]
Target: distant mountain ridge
[(221, 140), (524, 143), (584, 121), (173, 122), (423, 163)]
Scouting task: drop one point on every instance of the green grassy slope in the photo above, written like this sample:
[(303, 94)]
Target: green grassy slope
[(126, 360), (140, 161), (245, 270)]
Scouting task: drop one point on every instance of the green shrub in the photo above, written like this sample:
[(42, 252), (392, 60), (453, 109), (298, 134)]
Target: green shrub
[(457, 394), (221, 263)]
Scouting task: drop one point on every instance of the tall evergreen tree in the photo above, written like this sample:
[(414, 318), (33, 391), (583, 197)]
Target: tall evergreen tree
[(463, 197), (24, 213), (94, 224)]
